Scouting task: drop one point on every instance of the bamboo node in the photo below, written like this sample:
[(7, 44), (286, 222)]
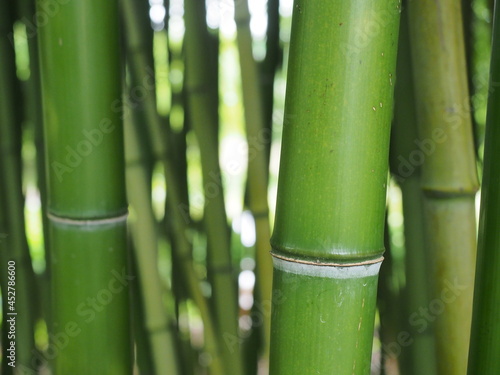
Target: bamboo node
[(87, 222), (354, 270), (328, 264)]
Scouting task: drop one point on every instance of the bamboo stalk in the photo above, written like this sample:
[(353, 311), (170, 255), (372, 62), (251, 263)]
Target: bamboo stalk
[(388, 304), (157, 320), (13, 202), (143, 352), (80, 70), (204, 118), (157, 137), (420, 353), (34, 113), (269, 66), (449, 180), (259, 138), (328, 235), (485, 336)]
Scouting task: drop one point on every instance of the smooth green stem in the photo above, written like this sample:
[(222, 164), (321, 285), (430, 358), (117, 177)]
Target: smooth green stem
[(81, 92), (419, 356), (449, 177), (268, 68), (485, 336), (328, 237), (258, 137), (157, 320), (389, 306), (204, 118), (140, 63), (143, 355)]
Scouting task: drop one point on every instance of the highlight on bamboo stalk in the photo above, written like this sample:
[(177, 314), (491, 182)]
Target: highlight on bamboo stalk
[(140, 243)]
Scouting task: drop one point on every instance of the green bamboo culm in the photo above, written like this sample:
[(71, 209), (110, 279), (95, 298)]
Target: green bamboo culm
[(485, 335), (203, 114), (12, 215), (449, 179), (328, 237), (419, 356), (144, 235), (87, 208), (259, 138)]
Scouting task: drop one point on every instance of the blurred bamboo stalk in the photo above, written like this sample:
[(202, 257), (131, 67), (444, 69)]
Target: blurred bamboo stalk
[(157, 319), (33, 112), (269, 66), (449, 180), (157, 138), (14, 237), (259, 138), (203, 113), (389, 307), (485, 336), (420, 357)]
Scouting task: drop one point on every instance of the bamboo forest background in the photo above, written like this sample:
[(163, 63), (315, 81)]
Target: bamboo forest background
[(203, 95)]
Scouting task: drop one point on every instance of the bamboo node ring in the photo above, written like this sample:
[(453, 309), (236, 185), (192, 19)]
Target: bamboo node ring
[(87, 222)]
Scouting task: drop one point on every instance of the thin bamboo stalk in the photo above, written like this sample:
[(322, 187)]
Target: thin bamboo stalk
[(388, 304), (34, 114), (80, 71), (420, 353), (269, 66), (157, 137), (204, 118), (485, 336), (13, 202), (449, 180), (328, 235), (144, 236), (259, 138), (143, 352)]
